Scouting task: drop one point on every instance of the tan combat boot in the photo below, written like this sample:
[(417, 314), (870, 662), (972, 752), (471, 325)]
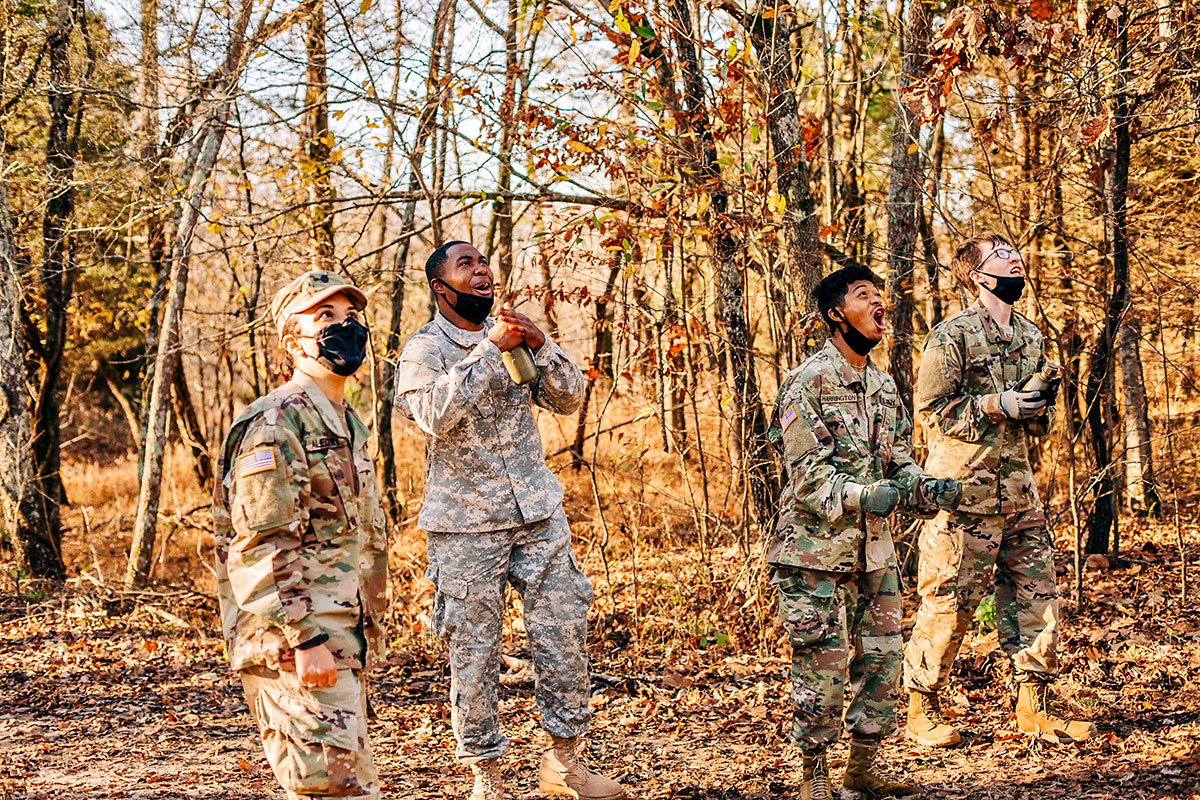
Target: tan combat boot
[(563, 773), (816, 778), (926, 725), (488, 785), (867, 782), (1035, 717)]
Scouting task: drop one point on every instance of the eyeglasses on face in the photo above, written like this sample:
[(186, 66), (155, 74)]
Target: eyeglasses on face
[(1004, 254)]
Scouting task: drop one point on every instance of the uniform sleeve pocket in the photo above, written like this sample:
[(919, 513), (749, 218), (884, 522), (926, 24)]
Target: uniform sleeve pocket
[(264, 490)]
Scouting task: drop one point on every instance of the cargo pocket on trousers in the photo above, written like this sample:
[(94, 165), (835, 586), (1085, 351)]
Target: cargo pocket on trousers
[(808, 606), (448, 602), (312, 746)]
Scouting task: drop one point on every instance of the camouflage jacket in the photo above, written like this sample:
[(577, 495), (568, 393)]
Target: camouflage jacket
[(968, 361), (838, 431), (484, 465), (300, 537)]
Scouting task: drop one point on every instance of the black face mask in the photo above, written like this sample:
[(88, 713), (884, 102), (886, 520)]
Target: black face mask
[(341, 347), (1008, 289), (471, 307), (856, 340)]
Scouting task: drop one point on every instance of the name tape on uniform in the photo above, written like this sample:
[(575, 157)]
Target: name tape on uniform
[(256, 461)]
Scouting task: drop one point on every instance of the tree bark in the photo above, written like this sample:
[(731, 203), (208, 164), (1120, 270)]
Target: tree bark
[(753, 452), (391, 351), (904, 201), (203, 159), (318, 145), (1141, 488), (25, 527), (803, 261), (57, 276), (1101, 416)]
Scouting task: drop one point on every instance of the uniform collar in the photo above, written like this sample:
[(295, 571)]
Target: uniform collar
[(991, 328), (848, 375), (462, 338), (333, 419)]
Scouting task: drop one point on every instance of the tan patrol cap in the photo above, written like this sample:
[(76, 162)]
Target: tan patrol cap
[(307, 291)]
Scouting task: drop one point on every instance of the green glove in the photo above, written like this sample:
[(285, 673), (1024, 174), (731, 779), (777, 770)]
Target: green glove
[(880, 498), (946, 493)]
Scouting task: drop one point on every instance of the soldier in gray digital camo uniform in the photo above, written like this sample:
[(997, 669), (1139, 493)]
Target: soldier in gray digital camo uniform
[(847, 454), (301, 549), (980, 424), (493, 513)]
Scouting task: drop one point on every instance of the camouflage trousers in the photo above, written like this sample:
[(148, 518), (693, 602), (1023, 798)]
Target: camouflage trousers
[(959, 553), (844, 628), (314, 739), (470, 571)]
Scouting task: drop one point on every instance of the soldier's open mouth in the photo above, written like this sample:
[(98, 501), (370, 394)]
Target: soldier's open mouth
[(483, 287), (878, 317)]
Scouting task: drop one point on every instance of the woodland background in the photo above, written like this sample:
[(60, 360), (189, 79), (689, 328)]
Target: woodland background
[(660, 183)]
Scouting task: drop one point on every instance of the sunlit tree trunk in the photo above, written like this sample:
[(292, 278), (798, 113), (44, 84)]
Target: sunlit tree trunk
[(904, 201)]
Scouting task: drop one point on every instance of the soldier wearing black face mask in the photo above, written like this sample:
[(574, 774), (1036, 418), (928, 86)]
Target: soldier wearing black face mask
[(979, 423), (493, 516)]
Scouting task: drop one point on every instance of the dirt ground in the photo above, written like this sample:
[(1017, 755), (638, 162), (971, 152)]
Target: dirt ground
[(105, 696)]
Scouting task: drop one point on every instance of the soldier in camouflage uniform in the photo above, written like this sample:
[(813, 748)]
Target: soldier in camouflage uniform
[(301, 551), (979, 424), (846, 444), (493, 513)]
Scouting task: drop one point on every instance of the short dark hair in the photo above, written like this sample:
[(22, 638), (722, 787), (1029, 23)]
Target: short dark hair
[(437, 260), (832, 289)]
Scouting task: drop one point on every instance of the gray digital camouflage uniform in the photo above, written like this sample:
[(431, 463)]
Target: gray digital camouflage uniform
[(493, 513), (301, 553), (835, 567), (999, 525)]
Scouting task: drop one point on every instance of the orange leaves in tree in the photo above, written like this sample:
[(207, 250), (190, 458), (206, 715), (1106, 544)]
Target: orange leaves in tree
[(1041, 10), (1093, 129), (810, 131)]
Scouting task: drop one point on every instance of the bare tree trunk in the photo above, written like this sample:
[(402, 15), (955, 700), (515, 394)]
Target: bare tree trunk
[(803, 262), (852, 194), (57, 275), (754, 455), (319, 143), (391, 350), (141, 549), (206, 147), (928, 243), (190, 429), (601, 350), (1141, 488), (502, 209), (1101, 421), (24, 525), (904, 201)]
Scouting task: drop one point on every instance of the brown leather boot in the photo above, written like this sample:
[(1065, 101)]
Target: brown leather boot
[(562, 772), (816, 777), (926, 725), (488, 784), (867, 782), (1035, 717)]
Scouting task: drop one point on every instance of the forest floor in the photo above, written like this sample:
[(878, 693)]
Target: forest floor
[(103, 695)]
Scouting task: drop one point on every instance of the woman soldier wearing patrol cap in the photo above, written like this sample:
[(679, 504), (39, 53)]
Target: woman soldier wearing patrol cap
[(301, 551)]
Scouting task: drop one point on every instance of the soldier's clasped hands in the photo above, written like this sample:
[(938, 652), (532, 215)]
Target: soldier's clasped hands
[(880, 498)]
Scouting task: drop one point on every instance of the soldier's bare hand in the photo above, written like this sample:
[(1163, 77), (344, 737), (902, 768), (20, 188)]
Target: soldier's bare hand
[(531, 333), (316, 668), (505, 336)]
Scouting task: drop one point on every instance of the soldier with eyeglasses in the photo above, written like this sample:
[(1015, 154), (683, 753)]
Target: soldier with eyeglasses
[(980, 420)]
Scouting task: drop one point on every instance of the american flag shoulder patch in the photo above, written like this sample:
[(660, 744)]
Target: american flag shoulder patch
[(259, 460), (789, 416)]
